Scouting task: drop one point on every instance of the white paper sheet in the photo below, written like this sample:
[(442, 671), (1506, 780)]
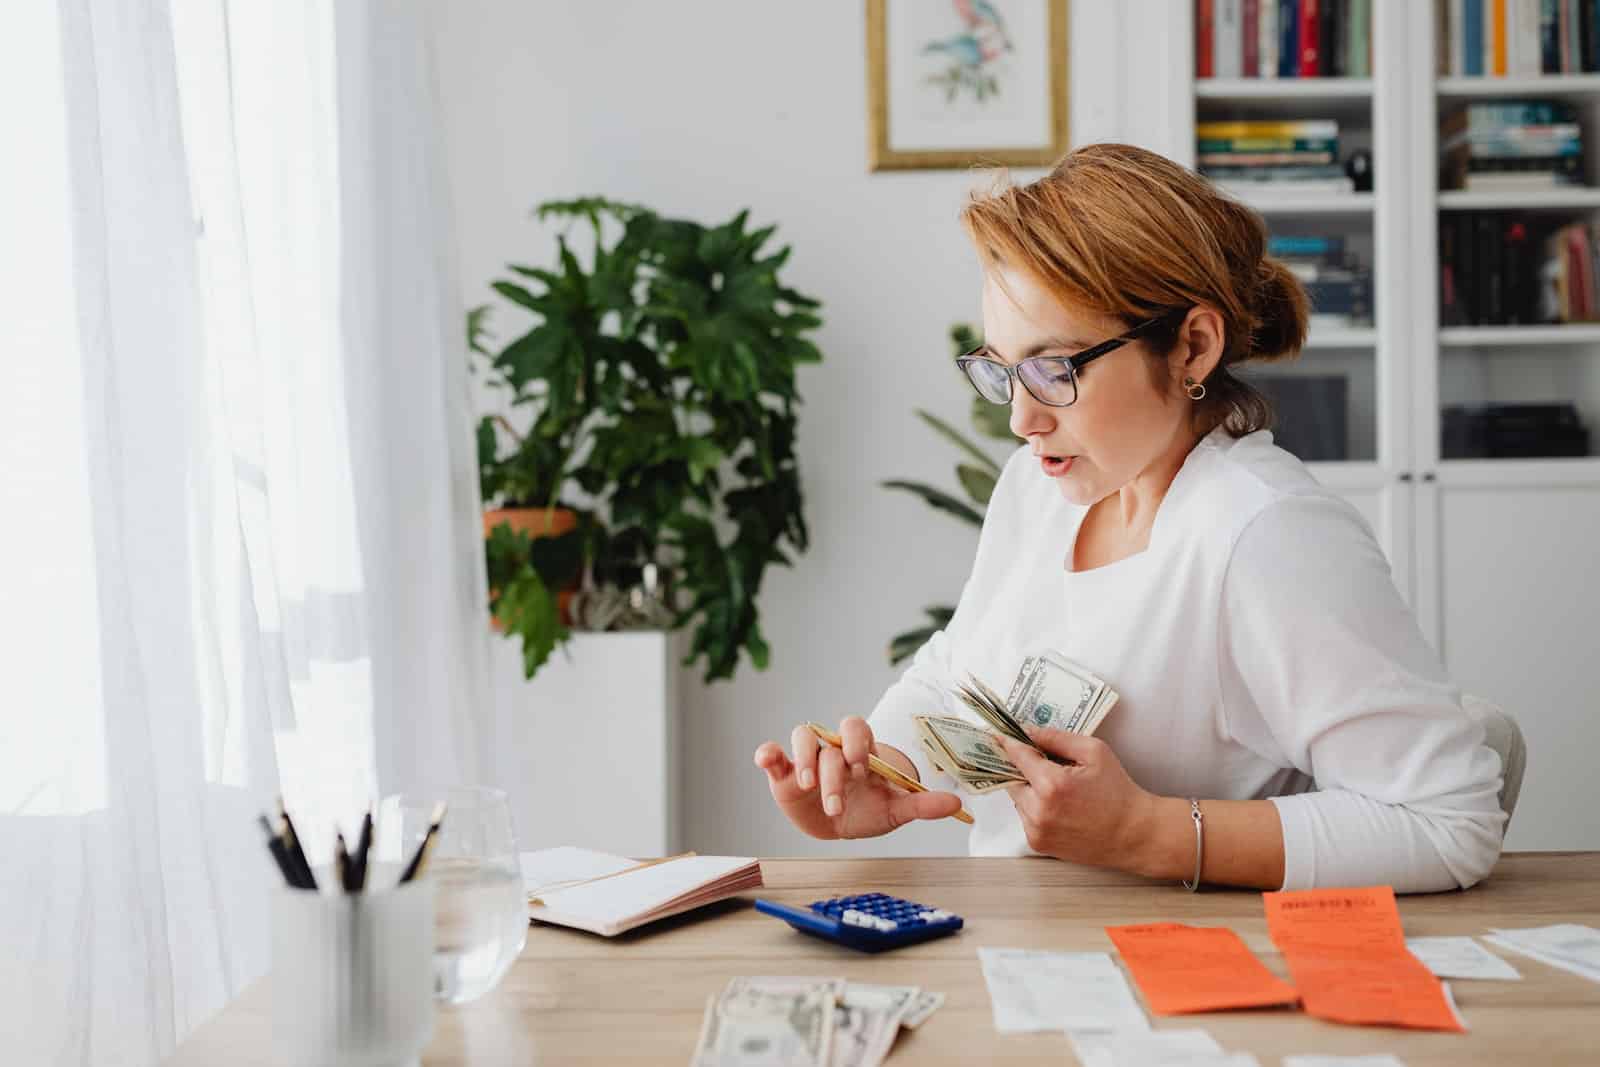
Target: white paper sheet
[(551, 865), (1380, 1059), (1035, 991), (1568, 946), (1155, 1048), (1459, 957)]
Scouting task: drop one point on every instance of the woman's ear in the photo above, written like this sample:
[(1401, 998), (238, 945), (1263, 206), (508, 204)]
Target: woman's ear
[(1201, 340)]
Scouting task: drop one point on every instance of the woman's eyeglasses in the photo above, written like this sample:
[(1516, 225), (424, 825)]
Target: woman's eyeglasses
[(1051, 380)]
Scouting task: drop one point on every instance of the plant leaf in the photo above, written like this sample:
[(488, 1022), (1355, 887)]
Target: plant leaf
[(939, 499), (979, 484), (956, 437)]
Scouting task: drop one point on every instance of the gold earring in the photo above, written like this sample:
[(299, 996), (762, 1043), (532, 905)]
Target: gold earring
[(1196, 390)]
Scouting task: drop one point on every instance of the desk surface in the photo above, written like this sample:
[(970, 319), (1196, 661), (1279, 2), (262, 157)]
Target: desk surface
[(573, 997)]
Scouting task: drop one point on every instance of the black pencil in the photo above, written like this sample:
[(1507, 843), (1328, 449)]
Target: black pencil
[(280, 855), (341, 862), (296, 853), (420, 860), (363, 847)]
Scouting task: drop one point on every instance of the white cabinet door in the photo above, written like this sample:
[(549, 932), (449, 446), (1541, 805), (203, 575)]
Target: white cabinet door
[(1518, 589)]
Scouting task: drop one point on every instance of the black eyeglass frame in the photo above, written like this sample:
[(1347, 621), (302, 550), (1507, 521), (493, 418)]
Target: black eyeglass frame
[(1072, 363)]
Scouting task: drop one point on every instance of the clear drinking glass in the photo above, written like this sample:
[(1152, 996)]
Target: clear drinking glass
[(481, 913)]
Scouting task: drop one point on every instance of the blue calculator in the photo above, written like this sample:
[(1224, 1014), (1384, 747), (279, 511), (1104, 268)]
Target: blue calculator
[(870, 922)]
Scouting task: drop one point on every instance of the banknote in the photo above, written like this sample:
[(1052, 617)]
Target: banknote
[(925, 1004), (969, 754), (1052, 691), (815, 1022), (782, 1022), (865, 1022)]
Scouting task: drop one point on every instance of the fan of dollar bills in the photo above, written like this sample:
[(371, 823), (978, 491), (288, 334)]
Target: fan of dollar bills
[(1050, 691), (808, 1022)]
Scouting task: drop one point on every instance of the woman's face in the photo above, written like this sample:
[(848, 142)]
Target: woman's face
[(1120, 424)]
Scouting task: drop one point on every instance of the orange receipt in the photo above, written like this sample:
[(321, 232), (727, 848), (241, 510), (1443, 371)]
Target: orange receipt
[(1184, 969), (1348, 956)]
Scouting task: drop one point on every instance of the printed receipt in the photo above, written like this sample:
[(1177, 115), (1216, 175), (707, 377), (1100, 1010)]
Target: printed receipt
[(1184, 969), (1348, 956)]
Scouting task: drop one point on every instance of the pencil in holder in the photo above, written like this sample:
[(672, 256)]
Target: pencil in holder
[(352, 976)]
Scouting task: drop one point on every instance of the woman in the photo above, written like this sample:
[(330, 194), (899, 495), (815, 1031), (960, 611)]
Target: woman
[(1282, 721)]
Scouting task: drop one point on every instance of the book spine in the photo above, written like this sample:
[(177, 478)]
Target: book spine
[(1514, 301), (1591, 59), (1328, 36), (1288, 38), (1484, 238), (1528, 44), (1309, 129), (1268, 19), (1252, 38), (1360, 22), (1261, 159), (1466, 277), (1202, 38), (1226, 40), (1472, 37), (1496, 14), (1549, 53), (1564, 37), (1449, 310), (1266, 144), (1310, 46)]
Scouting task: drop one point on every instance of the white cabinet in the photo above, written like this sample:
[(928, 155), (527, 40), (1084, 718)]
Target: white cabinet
[(591, 752), (1499, 558)]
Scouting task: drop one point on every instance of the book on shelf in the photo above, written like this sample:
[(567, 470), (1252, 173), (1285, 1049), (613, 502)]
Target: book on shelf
[(1283, 38), (1338, 284), (1501, 269), (1511, 146), (1516, 38), (1266, 157), (1511, 431)]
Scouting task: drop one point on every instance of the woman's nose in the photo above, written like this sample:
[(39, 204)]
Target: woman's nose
[(1028, 416)]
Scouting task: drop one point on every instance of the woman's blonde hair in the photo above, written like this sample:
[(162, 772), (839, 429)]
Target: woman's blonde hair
[(1122, 231)]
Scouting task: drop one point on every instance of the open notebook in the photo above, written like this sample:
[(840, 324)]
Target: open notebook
[(608, 894)]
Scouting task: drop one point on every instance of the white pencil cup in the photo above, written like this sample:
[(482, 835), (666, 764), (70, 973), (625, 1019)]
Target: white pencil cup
[(352, 976)]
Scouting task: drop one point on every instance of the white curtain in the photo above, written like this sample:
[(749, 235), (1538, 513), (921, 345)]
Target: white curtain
[(238, 518)]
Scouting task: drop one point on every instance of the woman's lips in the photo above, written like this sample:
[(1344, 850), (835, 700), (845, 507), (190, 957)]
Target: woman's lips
[(1055, 468)]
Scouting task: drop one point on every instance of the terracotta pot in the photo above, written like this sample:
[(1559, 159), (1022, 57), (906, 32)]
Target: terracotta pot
[(537, 522)]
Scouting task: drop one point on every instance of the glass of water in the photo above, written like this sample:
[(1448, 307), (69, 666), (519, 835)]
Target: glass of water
[(480, 910)]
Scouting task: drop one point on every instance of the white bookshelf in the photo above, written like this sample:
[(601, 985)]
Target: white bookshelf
[(1573, 199), (1480, 88), (1302, 89), (1571, 333), (1495, 556)]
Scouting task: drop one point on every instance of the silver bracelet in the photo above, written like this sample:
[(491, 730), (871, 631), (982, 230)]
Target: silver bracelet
[(1199, 844)]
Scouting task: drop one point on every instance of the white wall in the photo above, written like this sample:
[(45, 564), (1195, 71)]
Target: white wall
[(700, 109)]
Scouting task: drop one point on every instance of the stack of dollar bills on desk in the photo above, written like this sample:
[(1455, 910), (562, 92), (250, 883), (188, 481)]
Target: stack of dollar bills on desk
[(808, 1022), (1050, 691)]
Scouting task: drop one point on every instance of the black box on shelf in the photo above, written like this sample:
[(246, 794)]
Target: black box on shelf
[(1312, 410), (1507, 431)]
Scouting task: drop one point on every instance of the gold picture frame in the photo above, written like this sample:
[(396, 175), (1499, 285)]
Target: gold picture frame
[(881, 156)]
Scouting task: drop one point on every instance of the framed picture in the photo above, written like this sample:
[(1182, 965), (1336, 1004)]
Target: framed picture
[(953, 83)]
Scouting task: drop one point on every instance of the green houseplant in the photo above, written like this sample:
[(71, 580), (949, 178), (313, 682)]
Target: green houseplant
[(976, 478), (657, 384)]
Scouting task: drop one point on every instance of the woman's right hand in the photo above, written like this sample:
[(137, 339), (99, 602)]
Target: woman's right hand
[(829, 793)]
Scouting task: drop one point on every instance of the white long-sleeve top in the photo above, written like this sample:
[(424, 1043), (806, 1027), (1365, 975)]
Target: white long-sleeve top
[(1261, 650)]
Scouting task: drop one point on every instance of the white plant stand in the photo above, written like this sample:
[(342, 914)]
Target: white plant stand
[(592, 753)]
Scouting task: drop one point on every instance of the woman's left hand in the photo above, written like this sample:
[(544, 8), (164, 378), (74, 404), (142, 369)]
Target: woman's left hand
[(1087, 813)]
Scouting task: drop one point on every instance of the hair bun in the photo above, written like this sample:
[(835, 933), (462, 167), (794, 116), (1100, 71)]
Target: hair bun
[(1281, 312)]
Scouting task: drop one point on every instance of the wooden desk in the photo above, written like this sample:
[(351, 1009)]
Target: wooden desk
[(639, 998)]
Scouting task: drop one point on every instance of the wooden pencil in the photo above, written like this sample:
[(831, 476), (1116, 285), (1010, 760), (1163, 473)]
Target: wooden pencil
[(882, 768)]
